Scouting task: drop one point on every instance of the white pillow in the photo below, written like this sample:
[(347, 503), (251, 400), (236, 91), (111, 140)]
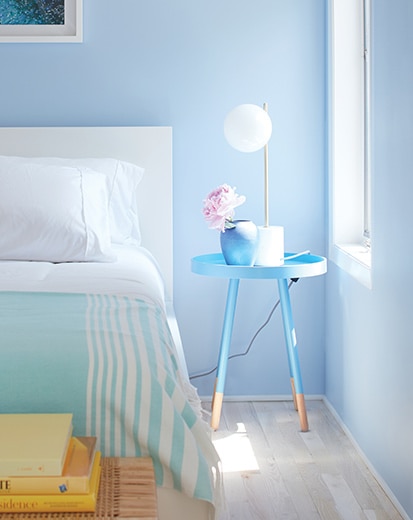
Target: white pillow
[(122, 180), (55, 214)]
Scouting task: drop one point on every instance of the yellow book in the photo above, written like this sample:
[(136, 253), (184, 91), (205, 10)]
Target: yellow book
[(55, 503), (75, 477), (34, 444)]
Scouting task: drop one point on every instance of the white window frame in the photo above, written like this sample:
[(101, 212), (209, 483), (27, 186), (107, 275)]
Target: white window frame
[(349, 150)]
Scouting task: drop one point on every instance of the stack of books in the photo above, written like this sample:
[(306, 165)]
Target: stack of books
[(43, 468)]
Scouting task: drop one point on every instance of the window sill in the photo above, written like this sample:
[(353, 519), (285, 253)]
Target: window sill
[(355, 259)]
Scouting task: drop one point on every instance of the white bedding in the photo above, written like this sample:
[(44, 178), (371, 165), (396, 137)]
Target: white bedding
[(134, 276), (134, 272), (56, 293)]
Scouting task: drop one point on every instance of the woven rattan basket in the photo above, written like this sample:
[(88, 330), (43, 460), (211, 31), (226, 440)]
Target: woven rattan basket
[(127, 490)]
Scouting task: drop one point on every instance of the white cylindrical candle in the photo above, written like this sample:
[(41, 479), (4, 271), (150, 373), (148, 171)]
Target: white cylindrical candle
[(270, 246)]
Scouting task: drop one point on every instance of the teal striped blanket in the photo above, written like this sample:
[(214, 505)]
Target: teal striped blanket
[(109, 360)]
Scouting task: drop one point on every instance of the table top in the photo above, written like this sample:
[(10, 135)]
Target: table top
[(297, 267)]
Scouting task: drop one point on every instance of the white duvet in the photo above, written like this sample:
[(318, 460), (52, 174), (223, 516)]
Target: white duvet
[(135, 272)]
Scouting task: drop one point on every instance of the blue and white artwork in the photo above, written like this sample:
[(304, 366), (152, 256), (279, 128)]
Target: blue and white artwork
[(32, 12)]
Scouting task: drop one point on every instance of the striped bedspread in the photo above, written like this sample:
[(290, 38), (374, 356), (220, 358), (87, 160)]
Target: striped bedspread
[(110, 361)]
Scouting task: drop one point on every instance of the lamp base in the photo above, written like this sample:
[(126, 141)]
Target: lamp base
[(270, 246)]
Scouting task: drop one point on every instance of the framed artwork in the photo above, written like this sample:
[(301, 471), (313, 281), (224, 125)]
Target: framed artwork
[(41, 21)]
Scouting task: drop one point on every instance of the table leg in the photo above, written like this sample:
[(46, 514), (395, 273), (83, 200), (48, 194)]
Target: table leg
[(291, 344), (224, 352)]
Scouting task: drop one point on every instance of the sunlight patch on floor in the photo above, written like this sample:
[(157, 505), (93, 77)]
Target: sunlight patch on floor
[(236, 452)]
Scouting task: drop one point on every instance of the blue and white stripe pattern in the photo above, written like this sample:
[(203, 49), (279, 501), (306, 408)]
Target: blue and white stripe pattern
[(111, 361)]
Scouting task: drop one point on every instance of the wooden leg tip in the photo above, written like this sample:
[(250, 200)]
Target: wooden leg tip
[(302, 412), (216, 410)]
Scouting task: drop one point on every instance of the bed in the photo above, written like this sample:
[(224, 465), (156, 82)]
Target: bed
[(86, 292)]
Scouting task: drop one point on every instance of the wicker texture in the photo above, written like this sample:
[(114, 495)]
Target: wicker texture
[(127, 490)]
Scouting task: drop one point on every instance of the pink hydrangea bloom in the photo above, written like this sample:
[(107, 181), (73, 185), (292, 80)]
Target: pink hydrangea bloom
[(219, 206)]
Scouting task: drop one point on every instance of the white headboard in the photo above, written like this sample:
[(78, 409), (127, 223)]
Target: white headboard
[(149, 147)]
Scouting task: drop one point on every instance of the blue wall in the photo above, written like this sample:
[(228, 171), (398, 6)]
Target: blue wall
[(369, 342), (186, 64)]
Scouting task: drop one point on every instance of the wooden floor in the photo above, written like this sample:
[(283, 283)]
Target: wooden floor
[(272, 470)]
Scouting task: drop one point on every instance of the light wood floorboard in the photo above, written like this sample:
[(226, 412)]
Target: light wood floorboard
[(272, 470)]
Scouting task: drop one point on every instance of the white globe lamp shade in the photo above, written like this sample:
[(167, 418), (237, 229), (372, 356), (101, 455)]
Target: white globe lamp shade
[(247, 128)]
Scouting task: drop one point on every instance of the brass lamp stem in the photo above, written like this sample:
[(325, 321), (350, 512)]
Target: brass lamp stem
[(266, 202)]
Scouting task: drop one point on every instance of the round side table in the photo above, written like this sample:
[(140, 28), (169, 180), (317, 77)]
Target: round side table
[(294, 267)]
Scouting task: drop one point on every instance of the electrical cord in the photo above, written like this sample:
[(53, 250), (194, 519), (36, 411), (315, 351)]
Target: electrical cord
[(241, 354)]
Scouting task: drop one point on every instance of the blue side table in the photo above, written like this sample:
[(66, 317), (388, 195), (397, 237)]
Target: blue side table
[(301, 266)]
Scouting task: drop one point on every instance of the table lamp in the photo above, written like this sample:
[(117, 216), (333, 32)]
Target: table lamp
[(248, 128)]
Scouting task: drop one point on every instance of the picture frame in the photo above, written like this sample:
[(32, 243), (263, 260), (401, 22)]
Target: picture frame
[(36, 25)]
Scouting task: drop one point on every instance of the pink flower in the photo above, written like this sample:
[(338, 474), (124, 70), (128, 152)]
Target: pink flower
[(219, 206)]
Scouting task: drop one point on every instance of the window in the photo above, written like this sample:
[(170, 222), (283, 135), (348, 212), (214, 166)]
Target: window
[(367, 123), (349, 125)]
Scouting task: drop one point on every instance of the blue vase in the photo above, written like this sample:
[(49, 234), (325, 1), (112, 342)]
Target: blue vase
[(239, 244)]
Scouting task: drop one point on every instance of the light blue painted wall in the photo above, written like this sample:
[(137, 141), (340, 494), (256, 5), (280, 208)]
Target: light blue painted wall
[(186, 64), (369, 342)]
